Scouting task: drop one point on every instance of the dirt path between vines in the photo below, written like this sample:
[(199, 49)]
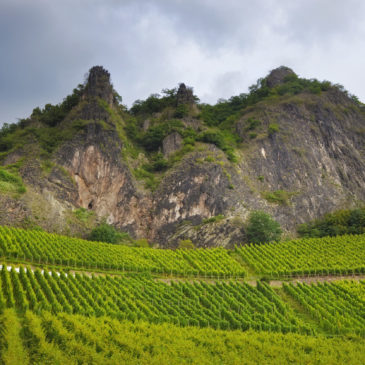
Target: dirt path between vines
[(168, 280), (316, 279), (273, 283)]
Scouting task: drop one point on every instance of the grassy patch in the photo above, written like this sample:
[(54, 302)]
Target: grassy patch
[(216, 218), (150, 180), (280, 197), (83, 214), (10, 182)]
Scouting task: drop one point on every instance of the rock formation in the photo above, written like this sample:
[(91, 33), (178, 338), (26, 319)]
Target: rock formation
[(184, 95), (306, 158), (278, 76)]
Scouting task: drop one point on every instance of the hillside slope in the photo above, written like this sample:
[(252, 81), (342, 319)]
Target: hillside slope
[(171, 169)]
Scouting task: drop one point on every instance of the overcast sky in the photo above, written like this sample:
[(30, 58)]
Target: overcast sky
[(219, 47)]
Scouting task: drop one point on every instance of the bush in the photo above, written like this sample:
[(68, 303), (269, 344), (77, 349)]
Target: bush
[(152, 139), (262, 228), (334, 224), (224, 140), (281, 197), (252, 123), (10, 183), (107, 233), (273, 128), (213, 219), (182, 111)]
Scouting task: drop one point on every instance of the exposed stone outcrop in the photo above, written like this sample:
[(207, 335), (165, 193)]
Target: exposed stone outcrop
[(104, 183), (278, 76), (184, 95), (192, 191), (171, 143), (98, 84), (310, 148)]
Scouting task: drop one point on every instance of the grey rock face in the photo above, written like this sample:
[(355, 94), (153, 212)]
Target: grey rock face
[(171, 143), (315, 159), (184, 95)]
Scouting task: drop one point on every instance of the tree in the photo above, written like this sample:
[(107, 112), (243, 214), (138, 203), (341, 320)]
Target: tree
[(104, 233), (262, 228)]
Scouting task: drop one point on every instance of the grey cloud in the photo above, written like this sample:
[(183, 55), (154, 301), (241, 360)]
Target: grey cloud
[(219, 48)]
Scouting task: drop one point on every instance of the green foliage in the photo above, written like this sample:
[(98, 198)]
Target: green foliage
[(159, 163), (335, 305), (336, 223), (226, 112), (155, 103), (252, 123), (6, 131), (104, 233), (10, 182), (272, 128), (107, 233), (181, 111), (83, 214), (219, 305), (142, 242), (52, 115), (65, 338), (294, 85), (42, 247), (262, 228), (152, 139), (281, 197), (14, 351), (224, 140), (308, 256), (186, 245), (214, 219), (151, 181)]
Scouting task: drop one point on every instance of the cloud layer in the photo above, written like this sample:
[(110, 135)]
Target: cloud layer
[(219, 48)]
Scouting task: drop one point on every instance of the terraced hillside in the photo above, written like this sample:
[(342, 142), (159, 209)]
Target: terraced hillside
[(310, 256), (341, 255), (147, 306), (63, 338), (52, 249)]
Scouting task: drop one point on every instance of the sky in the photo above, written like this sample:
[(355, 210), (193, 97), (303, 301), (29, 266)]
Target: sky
[(217, 47)]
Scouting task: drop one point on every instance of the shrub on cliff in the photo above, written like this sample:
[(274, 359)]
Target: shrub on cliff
[(107, 233), (334, 224), (262, 228)]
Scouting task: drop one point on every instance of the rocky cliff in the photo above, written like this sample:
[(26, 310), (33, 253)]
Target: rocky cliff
[(168, 173)]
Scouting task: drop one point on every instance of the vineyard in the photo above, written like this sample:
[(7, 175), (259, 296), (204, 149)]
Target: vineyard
[(342, 255), (52, 249), (64, 338), (314, 256), (222, 306), (339, 307), (139, 316)]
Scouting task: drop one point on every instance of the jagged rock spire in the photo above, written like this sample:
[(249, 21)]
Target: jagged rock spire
[(184, 95), (98, 84)]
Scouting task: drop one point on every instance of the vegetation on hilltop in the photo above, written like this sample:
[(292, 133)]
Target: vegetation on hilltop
[(215, 124), (337, 223)]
